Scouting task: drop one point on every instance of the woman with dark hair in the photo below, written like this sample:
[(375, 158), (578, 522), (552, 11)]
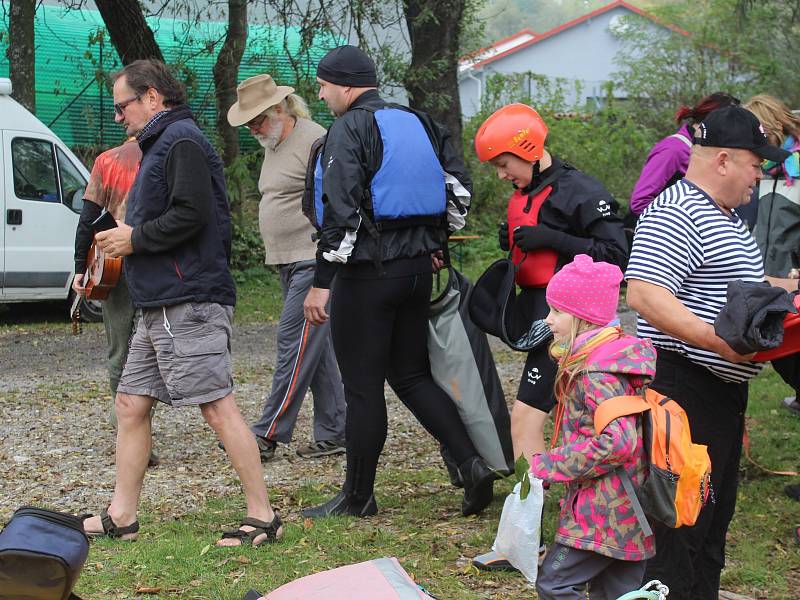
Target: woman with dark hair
[(666, 164)]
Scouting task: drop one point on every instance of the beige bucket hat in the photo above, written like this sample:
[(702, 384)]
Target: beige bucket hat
[(254, 96)]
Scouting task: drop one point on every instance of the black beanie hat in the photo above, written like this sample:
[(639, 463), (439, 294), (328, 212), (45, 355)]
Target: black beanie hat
[(348, 65)]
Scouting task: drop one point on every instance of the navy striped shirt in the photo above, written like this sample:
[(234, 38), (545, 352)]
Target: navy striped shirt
[(686, 244)]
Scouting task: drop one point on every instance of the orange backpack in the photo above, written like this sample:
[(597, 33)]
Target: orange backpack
[(679, 481)]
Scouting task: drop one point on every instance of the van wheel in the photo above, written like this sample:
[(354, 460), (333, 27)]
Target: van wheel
[(91, 310)]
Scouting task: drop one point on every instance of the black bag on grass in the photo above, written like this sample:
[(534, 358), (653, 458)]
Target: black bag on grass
[(42, 553)]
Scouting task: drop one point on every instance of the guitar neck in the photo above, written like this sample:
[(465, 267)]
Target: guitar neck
[(74, 310), (74, 313)]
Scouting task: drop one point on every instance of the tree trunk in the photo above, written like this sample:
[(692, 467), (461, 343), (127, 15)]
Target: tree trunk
[(21, 52), (226, 74), (434, 27), (129, 32)]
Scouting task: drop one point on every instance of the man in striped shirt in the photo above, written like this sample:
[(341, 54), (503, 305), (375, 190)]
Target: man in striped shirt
[(688, 245)]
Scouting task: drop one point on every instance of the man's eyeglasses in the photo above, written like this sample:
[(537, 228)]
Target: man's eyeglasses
[(255, 123), (119, 107)]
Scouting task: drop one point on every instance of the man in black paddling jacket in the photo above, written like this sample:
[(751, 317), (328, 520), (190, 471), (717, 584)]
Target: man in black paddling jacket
[(392, 187)]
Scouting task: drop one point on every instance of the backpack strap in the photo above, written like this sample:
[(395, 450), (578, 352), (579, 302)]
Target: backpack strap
[(618, 406), (607, 411), (627, 484)]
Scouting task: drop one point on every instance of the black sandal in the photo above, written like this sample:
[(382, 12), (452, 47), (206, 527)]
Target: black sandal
[(111, 529), (260, 527)]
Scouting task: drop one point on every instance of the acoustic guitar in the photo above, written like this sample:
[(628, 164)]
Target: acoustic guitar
[(102, 274)]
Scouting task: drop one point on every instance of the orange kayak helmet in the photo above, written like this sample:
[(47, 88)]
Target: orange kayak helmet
[(515, 128)]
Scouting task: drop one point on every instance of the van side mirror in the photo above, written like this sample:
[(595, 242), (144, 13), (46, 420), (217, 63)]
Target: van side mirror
[(75, 200)]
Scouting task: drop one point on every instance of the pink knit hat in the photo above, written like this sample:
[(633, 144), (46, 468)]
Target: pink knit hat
[(586, 289)]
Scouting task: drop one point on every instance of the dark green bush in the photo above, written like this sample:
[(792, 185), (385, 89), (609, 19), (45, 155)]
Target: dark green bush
[(247, 249)]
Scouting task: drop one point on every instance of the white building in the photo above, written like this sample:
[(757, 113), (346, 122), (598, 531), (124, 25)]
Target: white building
[(581, 51)]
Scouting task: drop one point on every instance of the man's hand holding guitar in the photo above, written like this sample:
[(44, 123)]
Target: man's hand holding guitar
[(77, 284), (115, 242), (103, 264)]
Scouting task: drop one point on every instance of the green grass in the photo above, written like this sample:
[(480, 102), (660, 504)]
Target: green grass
[(258, 295), (419, 523), (763, 557)]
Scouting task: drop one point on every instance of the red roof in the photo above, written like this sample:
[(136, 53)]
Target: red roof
[(477, 53), (568, 25)]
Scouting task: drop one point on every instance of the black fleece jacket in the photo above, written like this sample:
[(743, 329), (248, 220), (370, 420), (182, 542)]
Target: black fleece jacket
[(583, 210), (192, 202)]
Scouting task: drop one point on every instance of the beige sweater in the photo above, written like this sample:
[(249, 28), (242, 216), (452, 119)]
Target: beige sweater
[(285, 230)]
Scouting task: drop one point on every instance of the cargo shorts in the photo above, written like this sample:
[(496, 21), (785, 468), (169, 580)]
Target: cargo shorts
[(181, 354)]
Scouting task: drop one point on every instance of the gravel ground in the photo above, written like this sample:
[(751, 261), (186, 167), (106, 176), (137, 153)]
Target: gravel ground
[(57, 443)]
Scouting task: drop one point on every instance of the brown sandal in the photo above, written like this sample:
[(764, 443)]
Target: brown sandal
[(259, 528), (111, 529)]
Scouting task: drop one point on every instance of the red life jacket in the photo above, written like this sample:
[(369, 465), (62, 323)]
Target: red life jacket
[(534, 269)]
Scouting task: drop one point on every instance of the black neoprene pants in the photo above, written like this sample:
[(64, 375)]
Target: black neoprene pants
[(379, 329)]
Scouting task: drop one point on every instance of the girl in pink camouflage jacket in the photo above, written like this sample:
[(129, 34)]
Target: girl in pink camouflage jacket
[(599, 542)]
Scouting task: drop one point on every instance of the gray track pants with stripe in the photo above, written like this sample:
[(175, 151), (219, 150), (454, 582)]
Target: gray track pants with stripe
[(304, 359)]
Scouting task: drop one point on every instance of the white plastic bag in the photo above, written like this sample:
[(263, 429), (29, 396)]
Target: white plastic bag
[(518, 533)]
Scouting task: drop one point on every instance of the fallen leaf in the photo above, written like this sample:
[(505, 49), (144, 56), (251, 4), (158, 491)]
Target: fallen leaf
[(148, 590)]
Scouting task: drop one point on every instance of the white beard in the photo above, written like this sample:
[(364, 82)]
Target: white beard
[(267, 142), (272, 138)]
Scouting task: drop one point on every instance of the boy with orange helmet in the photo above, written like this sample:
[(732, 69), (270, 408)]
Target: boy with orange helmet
[(555, 213)]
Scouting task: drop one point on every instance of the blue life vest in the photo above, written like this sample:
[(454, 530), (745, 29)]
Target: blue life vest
[(316, 219), (410, 182)]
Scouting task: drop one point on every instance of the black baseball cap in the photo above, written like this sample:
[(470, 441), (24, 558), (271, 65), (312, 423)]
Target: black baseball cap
[(737, 127)]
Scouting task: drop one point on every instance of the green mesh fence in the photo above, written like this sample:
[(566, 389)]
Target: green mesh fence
[(74, 58)]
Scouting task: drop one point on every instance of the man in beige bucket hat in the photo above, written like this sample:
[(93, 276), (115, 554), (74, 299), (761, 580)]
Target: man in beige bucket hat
[(280, 121)]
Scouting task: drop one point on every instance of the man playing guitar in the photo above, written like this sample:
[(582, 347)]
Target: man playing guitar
[(111, 179)]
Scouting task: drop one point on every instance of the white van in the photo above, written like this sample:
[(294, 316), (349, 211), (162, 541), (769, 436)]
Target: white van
[(41, 195)]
